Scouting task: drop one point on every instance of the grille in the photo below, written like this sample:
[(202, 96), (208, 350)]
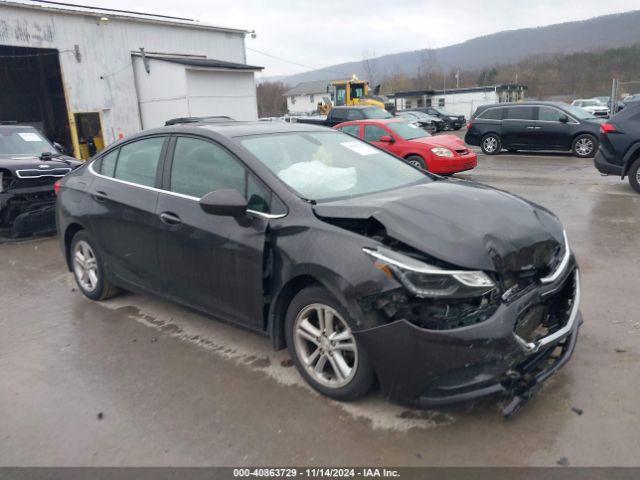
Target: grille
[(40, 173), (463, 151), (546, 317)]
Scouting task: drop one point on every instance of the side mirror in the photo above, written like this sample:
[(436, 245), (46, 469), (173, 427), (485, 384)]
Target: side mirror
[(386, 139), (59, 148), (563, 119), (227, 202)]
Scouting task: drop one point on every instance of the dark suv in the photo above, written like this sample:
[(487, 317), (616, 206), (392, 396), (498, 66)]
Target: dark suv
[(29, 165), (534, 126), (619, 152)]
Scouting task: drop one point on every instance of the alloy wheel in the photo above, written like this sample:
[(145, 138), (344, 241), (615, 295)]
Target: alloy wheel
[(490, 144), (415, 163), (85, 266), (584, 147), (325, 345)]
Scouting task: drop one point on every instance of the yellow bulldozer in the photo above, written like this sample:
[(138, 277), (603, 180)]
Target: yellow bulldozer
[(350, 92)]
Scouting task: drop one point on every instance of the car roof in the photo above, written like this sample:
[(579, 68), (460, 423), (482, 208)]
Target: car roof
[(231, 129), (377, 120), (357, 107)]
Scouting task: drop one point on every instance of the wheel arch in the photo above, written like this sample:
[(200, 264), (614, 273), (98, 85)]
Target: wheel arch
[(633, 154), (69, 233), (311, 275), (280, 304)]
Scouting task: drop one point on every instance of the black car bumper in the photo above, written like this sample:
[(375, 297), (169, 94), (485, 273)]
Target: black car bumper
[(425, 368), (604, 165), (27, 211)]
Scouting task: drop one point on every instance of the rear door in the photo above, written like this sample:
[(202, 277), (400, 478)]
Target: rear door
[(518, 126), (214, 263), (122, 206)]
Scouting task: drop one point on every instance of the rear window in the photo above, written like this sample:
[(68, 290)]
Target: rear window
[(491, 114), (138, 161), (520, 113), (351, 130)]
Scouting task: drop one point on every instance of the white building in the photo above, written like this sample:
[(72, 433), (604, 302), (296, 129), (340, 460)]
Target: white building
[(91, 75), (303, 99), (459, 101)]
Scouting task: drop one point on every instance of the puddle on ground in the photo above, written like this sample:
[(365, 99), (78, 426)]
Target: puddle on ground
[(254, 351)]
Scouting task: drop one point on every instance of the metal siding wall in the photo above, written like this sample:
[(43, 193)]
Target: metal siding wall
[(106, 52)]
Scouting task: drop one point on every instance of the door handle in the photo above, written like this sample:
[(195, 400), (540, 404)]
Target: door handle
[(170, 218), (100, 196)]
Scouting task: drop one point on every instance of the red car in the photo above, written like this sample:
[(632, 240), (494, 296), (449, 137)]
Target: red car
[(444, 154)]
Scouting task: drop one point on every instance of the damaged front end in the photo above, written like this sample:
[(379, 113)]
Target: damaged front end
[(451, 345), (27, 205)]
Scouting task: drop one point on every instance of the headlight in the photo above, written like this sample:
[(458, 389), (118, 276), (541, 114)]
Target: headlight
[(442, 152), (424, 280)]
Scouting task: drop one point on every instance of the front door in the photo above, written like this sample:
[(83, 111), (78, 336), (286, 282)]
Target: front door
[(373, 134), (551, 132), (123, 200), (212, 262)]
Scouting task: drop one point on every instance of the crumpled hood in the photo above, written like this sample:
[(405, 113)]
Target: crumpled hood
[(462, 223)]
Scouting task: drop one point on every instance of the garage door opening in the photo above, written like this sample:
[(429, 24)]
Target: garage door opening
[(32, 92)]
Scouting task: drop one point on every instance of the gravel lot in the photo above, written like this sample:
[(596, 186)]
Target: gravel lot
[(139, 381)]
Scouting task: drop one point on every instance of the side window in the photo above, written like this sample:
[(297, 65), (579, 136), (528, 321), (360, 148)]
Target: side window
[(200, 167), (138, 161), (520, 113), (108, 163), (354, 114), (351, 130), (492, 114), (548, 114), (372, 133)]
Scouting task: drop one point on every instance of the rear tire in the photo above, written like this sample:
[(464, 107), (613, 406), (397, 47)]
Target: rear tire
[(328, 358), (634, 175), (491, 144), (88, 268), (584, 146), (417, 161)]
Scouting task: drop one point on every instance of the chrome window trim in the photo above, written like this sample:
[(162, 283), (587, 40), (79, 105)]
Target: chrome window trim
[(533, 347), (44, 173), (268, 216), (563, 264)]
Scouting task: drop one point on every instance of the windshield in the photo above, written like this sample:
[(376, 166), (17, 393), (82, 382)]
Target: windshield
[(442, 111), (376, 113), (23, 141), (590, 103), (325, 165), (419, 115), (408, 131), (578, 112)]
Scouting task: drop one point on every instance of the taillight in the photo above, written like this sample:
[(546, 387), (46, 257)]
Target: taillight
[(608, 128), (469, 125), (56, 187)]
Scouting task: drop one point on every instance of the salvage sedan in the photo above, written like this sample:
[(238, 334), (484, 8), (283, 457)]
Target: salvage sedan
[(362, 265)]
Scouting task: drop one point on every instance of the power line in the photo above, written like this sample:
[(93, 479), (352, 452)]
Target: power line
[(309, 67)]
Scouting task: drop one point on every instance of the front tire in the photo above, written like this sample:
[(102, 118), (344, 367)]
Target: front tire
[(416, 161), (634, 175), (323, 348), (491, 144), (584, 146), (88, 268)]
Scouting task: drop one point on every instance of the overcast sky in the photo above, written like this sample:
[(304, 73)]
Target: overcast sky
[(318, 33)]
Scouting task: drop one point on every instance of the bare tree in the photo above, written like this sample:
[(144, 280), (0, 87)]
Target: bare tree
[(369, 65)]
